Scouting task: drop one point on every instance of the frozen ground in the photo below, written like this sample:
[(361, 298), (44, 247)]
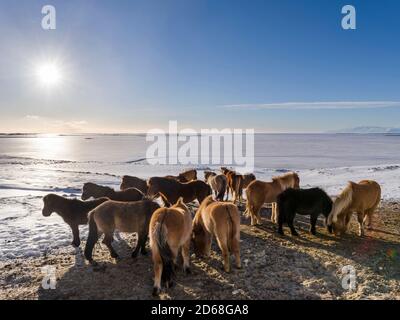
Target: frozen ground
[(31, 167)]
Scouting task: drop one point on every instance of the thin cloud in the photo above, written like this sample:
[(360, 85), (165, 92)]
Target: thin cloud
[(316, 105)]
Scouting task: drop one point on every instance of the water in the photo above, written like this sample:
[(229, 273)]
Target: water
[(32, 166)]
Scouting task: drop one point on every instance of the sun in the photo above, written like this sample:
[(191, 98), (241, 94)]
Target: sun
[(49, 75)]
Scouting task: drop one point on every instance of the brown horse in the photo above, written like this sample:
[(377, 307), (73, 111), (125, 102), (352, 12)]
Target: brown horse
[(73, 211), (219, 220), (170, 190), (122, 216), (362, 198), (185, 176), (247, 179), (218, 184), (96, 191), (235, 182), (244, 183), (259, 192), (170, 231), (134, 182)]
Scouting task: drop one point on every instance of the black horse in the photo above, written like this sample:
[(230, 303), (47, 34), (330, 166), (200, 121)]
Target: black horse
[(311, 202)]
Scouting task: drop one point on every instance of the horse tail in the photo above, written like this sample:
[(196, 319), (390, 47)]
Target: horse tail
[(342, 202), (378, 195), (92, 237), (161, 241), (222, 189)]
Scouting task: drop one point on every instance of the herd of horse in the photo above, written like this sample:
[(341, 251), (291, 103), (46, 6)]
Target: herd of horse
[(171, 227)]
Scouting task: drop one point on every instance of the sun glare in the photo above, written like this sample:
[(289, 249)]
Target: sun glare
[(49, 75)]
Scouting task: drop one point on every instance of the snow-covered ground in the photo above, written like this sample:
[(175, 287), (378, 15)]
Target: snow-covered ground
[(31, 167)]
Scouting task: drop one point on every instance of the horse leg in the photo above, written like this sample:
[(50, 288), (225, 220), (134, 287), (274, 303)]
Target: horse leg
[(281, 216), (291, 216), (108, 238), (143, 241), (186, 257), (158, 269), (368, 217), (360, 218), (222, 243), (313, 223), (274, 216), (254, 213), (236, 251), (76, 242)]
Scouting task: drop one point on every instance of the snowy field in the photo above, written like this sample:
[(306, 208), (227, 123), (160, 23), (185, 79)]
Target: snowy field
[(32, 166)]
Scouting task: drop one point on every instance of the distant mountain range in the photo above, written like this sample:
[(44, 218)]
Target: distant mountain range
[(367, 129)]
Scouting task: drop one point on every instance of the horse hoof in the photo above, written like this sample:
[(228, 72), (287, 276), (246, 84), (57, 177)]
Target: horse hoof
[(156, 292), (93, 263), (76, 244), (187, 271)]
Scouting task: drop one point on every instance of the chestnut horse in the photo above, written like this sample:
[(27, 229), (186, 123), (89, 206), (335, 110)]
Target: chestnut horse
[(362, 198), (235, 182), (133, 182), (170, 231), (171, 190), (122, 216), (185, 176), (73, 211), (96, 191), (218, 184), (259, 192), (222, 221)]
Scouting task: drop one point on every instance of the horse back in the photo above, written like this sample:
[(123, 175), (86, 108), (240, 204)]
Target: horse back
[(366, 194)]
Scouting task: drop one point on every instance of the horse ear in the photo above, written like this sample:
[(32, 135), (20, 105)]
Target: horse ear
[(180, 201)]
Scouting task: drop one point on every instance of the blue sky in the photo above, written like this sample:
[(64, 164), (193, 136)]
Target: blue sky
[(130, 66)]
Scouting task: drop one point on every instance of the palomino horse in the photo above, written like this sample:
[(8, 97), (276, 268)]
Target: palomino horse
[(134, 182), (218, 184), (361, 198), (122, 216), (73, 211), (186, 176), (170, 231), (311, 202), (222, 221), (170, 190), (260, 192), (96, 191)]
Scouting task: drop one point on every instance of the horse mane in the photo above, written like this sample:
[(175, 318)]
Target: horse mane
[(342, 202), (282, 179)]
